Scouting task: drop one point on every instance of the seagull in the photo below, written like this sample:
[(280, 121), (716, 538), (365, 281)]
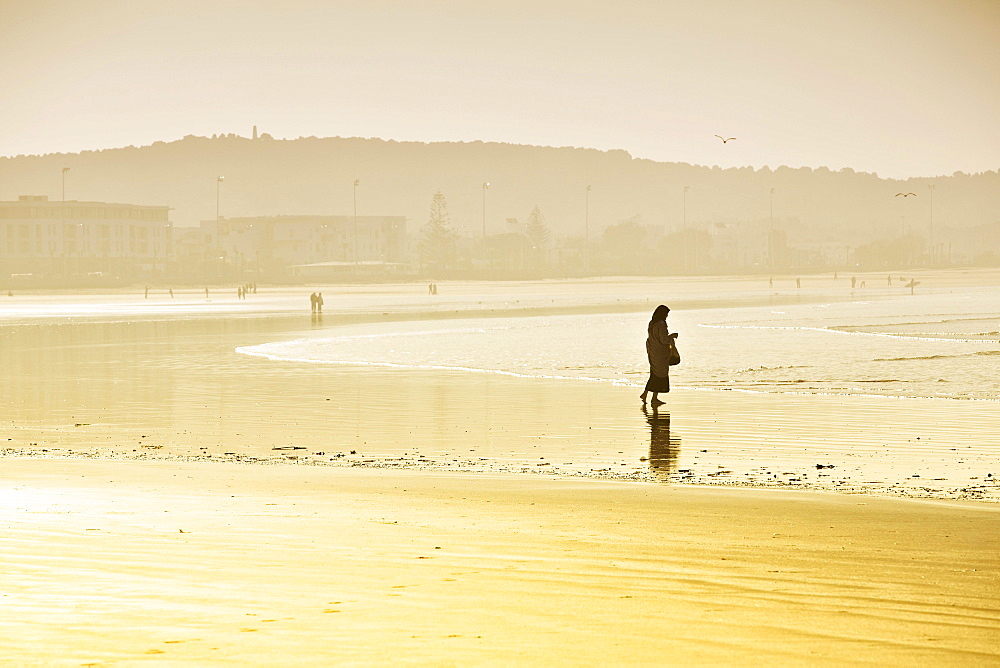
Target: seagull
[(724, 139), (905, 194)]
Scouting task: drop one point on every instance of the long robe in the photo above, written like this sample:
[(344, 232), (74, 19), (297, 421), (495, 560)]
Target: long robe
[(658, 351)]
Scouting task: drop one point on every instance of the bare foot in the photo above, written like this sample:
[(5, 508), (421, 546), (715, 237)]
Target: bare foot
[(643, 397)]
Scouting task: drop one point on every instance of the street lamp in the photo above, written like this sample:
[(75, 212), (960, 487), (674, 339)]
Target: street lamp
[(684, 225), (930, 232), (486, 186), (218, 191), (586, 229), (357, 254), (770, 232), (63, 208)]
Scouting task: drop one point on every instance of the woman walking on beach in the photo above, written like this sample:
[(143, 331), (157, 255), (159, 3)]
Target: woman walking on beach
[(659, 344)]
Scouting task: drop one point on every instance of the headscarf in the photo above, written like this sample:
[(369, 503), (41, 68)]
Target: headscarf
[(659, 314)]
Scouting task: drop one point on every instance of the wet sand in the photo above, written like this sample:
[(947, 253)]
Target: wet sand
[(176, 388), (118, 562)]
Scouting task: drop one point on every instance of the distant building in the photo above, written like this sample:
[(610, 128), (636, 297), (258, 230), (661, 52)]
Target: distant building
[(274, 245), (744, 246), (44, 239)]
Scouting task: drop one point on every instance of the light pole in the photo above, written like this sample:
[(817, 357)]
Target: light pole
[(930, 232), (218, 195), (63, 210), (486, 186), (357, 254), (586, 229), (770, 231), (684, 226)]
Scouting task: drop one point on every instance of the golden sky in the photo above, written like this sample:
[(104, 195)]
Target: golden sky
[(899, 87)]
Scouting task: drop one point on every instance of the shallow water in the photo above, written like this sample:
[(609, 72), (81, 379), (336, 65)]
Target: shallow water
[(935, 345), (839, 393)]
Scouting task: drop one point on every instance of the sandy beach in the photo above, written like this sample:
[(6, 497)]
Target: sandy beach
[(117, 563), (168, 498)]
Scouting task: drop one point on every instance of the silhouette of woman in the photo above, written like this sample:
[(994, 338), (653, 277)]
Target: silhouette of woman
[(658, 343)]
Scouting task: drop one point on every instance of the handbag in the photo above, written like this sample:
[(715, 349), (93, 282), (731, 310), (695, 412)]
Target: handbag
[(673, 355)]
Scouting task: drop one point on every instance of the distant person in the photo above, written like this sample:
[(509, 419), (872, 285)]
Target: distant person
[(770, 282), (854, 281), (434, 288), (889, 278), (206, 292), (10, 293), (798, 282), (145, 295), (171, 293), (659, 346), (862, 284), (312, 302), (834, 276), (319, 302), (239, 292)]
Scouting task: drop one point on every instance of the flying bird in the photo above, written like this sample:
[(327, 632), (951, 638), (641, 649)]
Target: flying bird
[(905, 194), (725, 139)]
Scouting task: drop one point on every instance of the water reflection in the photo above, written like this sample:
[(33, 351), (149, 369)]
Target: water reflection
[(663, 450)]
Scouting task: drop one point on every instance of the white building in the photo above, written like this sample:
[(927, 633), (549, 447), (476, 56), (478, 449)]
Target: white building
[(70, 239)]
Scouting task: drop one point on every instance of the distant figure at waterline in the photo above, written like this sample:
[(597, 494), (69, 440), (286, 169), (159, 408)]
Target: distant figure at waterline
[(662, 353)]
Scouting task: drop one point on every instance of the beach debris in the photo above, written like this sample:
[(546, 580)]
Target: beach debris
[(824, 466), (82, 424), (289, 447)]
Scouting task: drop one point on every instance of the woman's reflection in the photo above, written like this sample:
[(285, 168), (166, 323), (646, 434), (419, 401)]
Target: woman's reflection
[(663, 450)]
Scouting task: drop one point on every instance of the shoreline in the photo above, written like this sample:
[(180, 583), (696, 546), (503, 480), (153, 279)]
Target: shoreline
[(179, 388)]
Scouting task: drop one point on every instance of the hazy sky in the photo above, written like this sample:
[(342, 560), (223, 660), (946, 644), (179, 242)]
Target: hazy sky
[(899, 87)]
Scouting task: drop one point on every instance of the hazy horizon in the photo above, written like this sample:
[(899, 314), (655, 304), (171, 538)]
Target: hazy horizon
[(817, 84)]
